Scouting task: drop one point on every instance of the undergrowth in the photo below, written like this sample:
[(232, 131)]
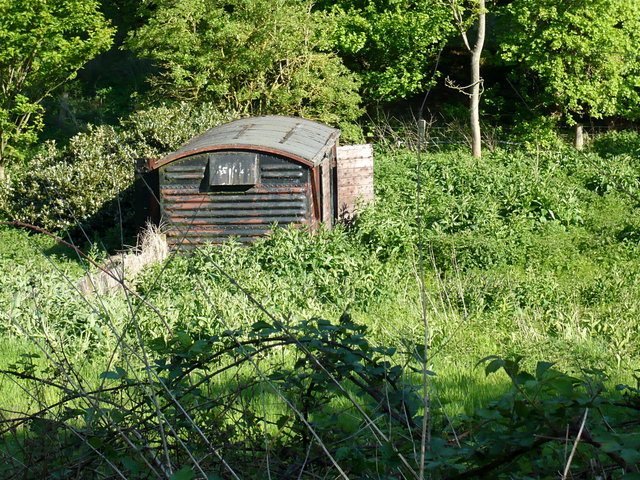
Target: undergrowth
[(302, 356)]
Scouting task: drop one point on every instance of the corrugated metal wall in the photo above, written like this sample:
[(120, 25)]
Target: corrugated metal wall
[(197, 213)]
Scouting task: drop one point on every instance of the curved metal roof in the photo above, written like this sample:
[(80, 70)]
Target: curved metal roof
[(303, 140)]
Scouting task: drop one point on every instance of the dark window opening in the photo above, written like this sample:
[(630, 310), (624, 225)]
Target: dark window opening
[(234, 168)]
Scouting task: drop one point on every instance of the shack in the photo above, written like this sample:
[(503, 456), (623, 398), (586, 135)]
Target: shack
[(241, 178)]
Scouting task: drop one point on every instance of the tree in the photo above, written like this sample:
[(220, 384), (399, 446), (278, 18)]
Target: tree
[(391, 44), (584, 53), (42, 45), (474, 14), (249, 56)]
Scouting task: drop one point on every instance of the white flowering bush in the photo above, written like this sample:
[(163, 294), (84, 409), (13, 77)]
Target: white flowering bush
[(61, 187), (159, 130)]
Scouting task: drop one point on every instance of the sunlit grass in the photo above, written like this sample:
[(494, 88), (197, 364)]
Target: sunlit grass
[(512, 268)]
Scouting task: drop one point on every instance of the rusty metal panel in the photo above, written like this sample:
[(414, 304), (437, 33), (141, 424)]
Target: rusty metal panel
[(197, 212), (355, 177), (289, 136)]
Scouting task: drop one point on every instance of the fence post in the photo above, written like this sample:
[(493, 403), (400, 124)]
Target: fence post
[(579, 137)]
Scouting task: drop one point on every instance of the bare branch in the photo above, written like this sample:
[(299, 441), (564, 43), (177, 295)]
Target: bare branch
[(451, 84)]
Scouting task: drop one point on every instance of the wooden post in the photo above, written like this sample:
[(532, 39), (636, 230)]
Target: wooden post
[(579, 137), (422, 128)]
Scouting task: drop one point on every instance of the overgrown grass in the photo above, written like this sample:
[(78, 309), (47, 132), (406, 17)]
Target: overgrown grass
[(527, 255)]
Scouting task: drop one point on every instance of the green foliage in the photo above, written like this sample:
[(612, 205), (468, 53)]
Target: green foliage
[(538, 133), (37, 294), (328, 364), (584, 53), (157, 130), (333, 398), (255, 56), (515, 236), (529, 423), (497, 205), (387, 228), (42, 45), (526, 254), (60, 188), (391, 45), (292, 273), (611, 144), (525, 247)]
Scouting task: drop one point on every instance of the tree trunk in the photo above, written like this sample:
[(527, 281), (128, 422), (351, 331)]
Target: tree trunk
[(2, 174), (476, 81)]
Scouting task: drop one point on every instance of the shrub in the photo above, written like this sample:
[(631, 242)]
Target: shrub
[(610, 144), (62, 187), (312, 397), (164, 128), (293, 273), (256, 57)]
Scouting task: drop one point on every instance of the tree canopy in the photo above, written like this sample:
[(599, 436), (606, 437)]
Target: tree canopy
[(249, 56), (391, 44), (42, 45), (584, 54), (325, 59)]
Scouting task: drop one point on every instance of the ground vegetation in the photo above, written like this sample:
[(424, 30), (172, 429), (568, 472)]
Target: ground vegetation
[(478, 320), (305, 353)]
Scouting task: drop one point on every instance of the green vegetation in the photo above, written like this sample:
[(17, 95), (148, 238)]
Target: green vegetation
[(43, 45), (389, 45), (330, 355), (583, 54), (253, 57), (531, 258)]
